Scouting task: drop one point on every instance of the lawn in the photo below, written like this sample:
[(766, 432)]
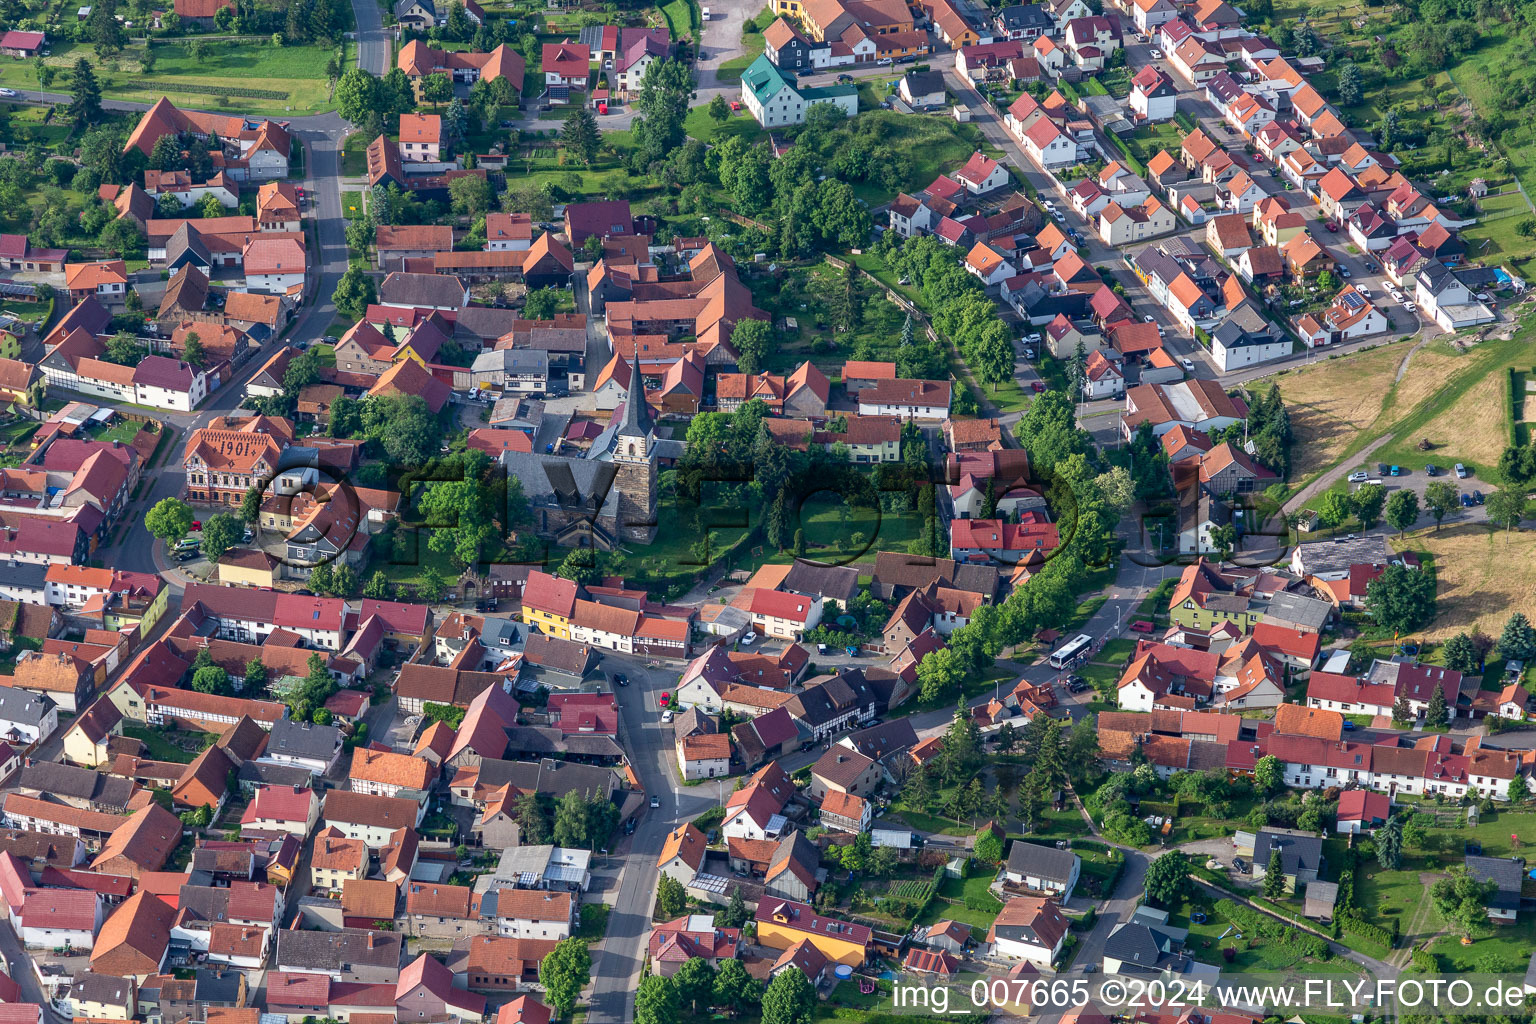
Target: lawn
[(1332, 401), (294, 76), (974, 905), (354, 155), (159, 747), (811, 297), (1483, 577), (699, 125), (351, 205), (123, 431)]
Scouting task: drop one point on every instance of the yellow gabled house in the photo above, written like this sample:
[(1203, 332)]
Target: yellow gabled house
[(549, 602), (783, 924)]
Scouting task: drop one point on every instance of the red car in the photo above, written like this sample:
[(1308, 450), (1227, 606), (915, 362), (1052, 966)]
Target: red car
[(602, 108), (666, 698), (1038, 385), (1141, 626), (197, 524)]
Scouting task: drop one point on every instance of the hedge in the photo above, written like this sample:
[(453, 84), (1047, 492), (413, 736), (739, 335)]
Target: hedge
[(211, 90), (1352, 925), (1426, 961)]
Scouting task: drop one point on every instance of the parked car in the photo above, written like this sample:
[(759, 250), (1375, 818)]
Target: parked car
[(621, 679), (1344, 272), (1331, 225), (186, 556), (1410, 307), (666, 698), (1466, 500), (655, 801), (1349, 726), (1359, 476), (197, 524), (1381, 469), (1430, 469), (666, 716), (885, 61), (1037, 385), (1477, 497), (1148, 318), (1461, 471), (1395, 471), (1184, 361), (1155, 54)]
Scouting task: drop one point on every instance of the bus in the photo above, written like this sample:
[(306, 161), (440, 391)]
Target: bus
[(1070, 651)]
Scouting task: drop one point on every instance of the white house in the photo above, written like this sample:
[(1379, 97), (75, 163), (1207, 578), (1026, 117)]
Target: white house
[(1153, 94), (275, 266), (26, 717), (1050, 147), (1029, 929)]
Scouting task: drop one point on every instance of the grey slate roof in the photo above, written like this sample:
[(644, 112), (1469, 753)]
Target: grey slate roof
[(264, 773), (296, 739), (1036, 861), (23, 708), (327, 951), (1138, 946), (23, 575), (67, 780), (1298, 610), (1507, 873), (1297, 852)]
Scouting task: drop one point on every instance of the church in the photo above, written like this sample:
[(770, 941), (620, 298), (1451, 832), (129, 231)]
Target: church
[(606, 495)]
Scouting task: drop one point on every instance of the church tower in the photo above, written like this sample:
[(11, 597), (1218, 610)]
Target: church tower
[(634, 454)]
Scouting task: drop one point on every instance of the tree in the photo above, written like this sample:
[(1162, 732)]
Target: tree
[(170, 520), (255, 674), (354, 292), (580, 566), (580, 135), (790, 999), (1349, 84), (988, 847), (671, 897), (211, 679), (45, 72), (1460, 654), (1440, 498), (1435, 714), (470, 195), (437, 89), (192, 346), (751, 339), (1402, 711), (695, 982), (1167, 878), (1268, 775), (1274, 876), (1519, 789), (432, 586), (85, 106), (104, 30), (1462, 900), (1389, 844), (531, 820), (1506, 507), (1332, 509), (540, 304), (357, 95), (221, 532), (1368, 503), (1518, 640), (719, 109), (1402, 510), (250, 506), (1401, 599), (458, 26), (656, 1001), (378, 586), (564, 972), (735, 989)]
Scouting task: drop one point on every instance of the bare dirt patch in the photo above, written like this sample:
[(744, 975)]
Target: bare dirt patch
[(1333, 400)]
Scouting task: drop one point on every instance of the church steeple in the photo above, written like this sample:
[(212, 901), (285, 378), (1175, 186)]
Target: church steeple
[(636, 421)]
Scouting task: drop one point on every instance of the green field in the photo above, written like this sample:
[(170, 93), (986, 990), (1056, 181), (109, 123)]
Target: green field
[(297, 72)]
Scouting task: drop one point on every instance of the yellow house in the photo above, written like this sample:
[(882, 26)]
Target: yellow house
[(86, 740), (251, 567), (138, 606), (783, 924), (549, 602), (10, 345)]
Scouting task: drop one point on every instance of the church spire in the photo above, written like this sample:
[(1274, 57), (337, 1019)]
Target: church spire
[(637, 414)]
